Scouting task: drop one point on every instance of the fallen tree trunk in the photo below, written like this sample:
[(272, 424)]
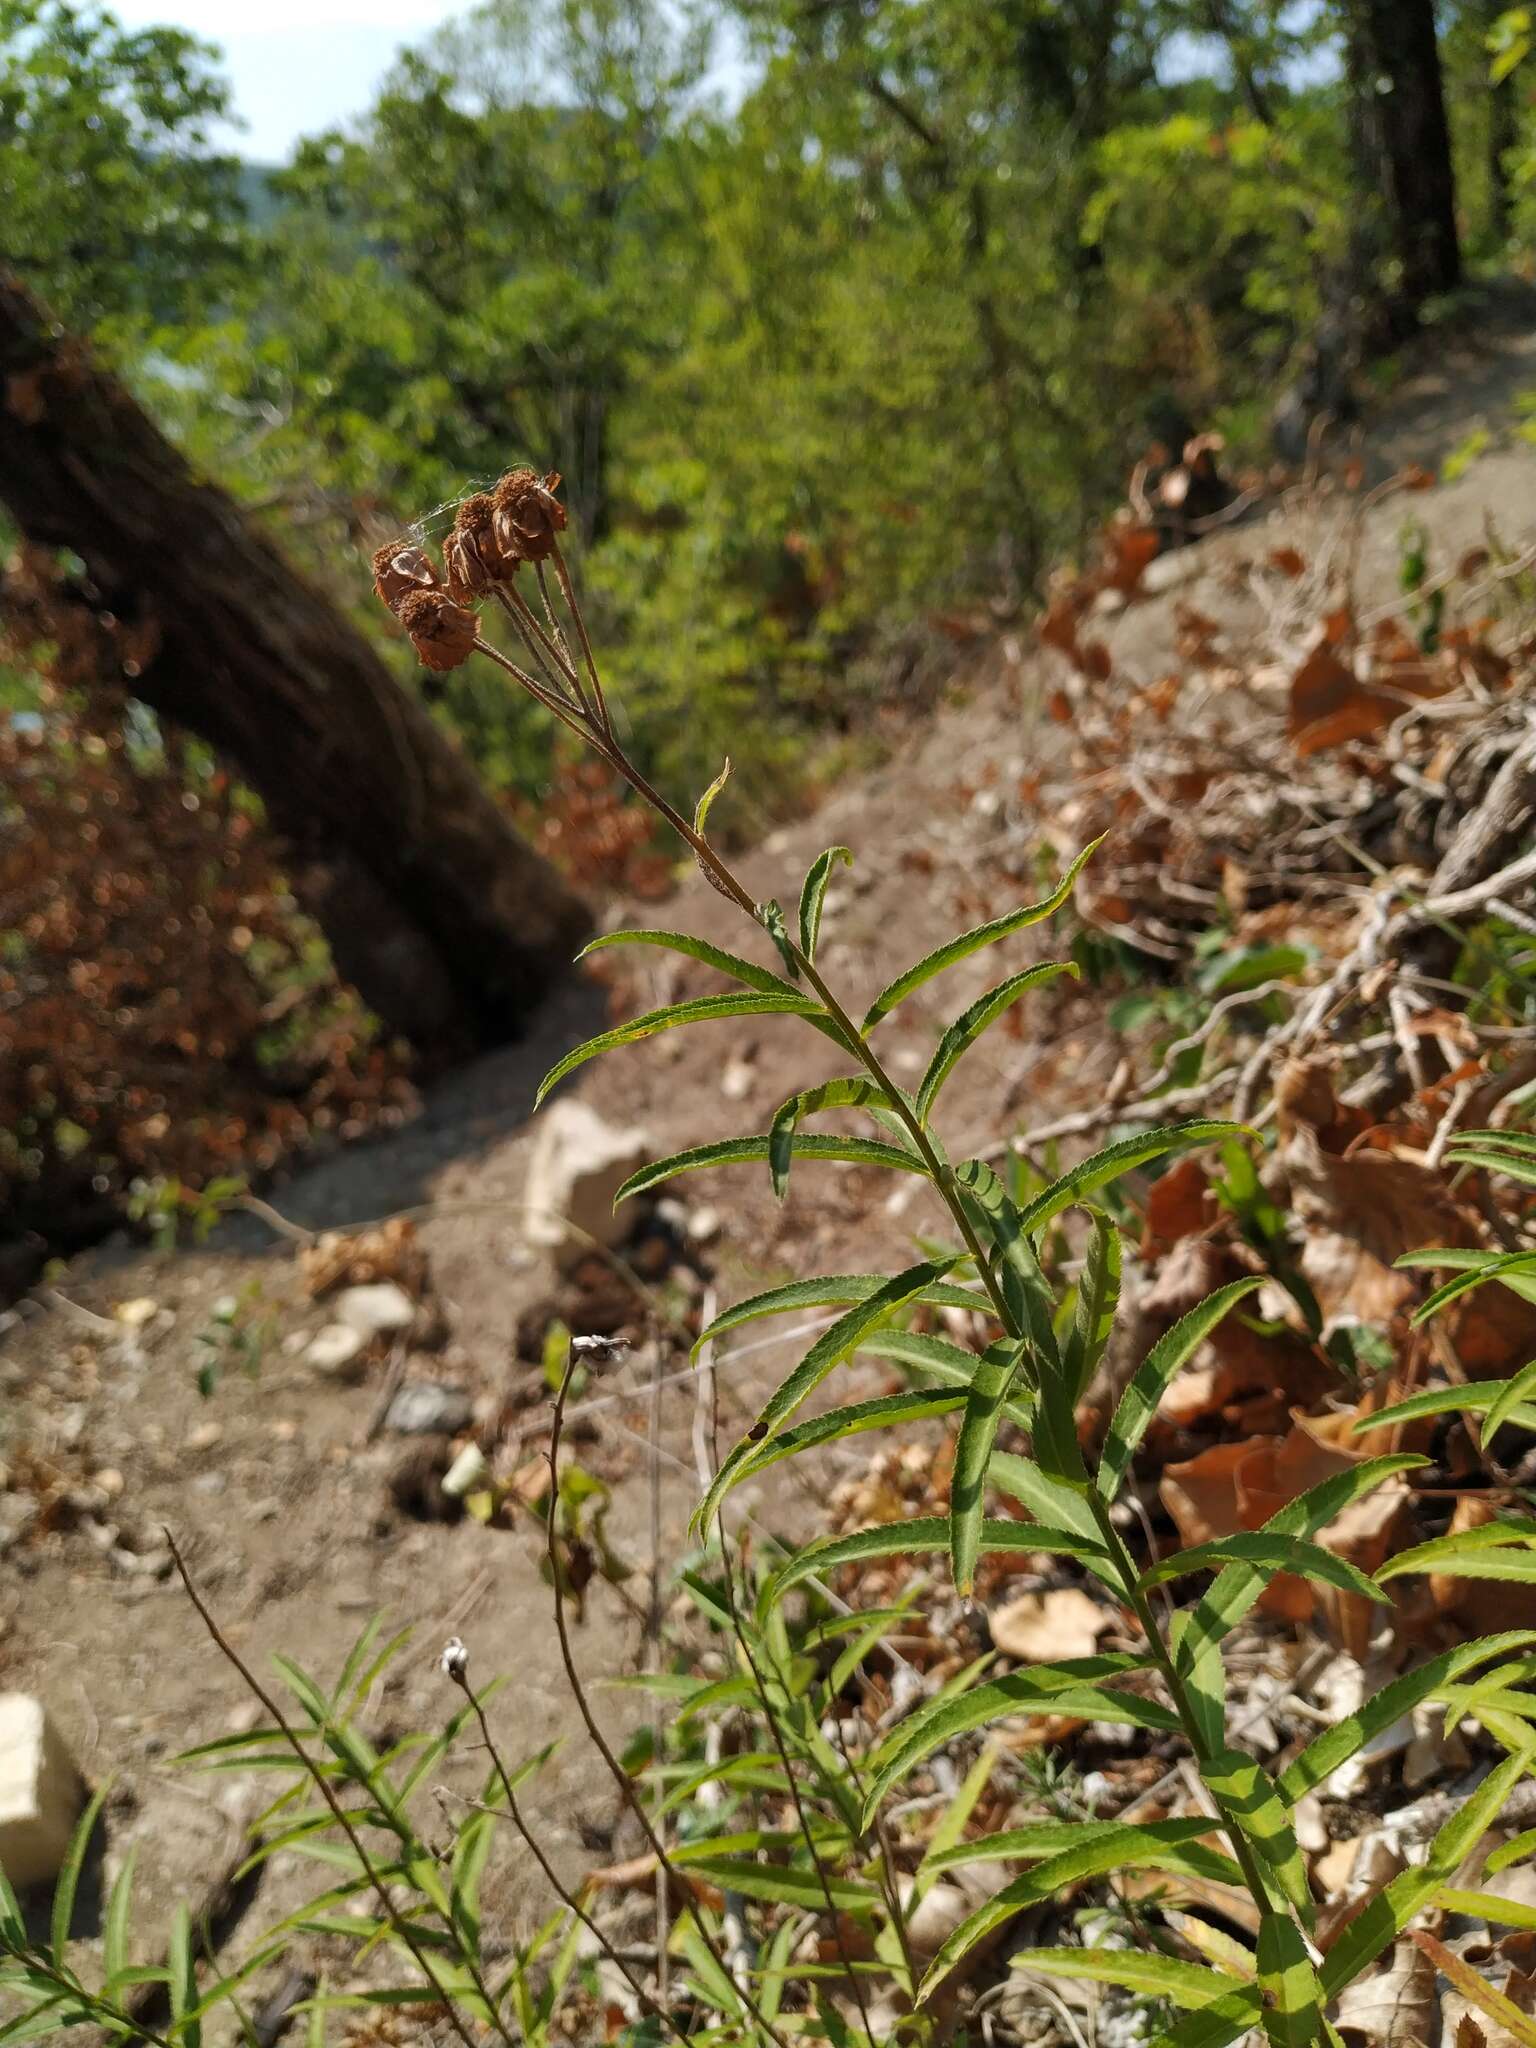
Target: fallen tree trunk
[(448, 924)]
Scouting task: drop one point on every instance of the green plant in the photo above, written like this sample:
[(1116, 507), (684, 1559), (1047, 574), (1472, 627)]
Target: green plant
[(351, 1810), (1049, 1339)]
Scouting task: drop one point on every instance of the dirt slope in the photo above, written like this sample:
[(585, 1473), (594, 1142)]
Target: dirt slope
[(271, 1484)]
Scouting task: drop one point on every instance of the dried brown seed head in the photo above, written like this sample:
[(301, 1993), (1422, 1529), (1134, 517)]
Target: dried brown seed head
[(528, 515), (400, 567), (442, 632), (472, 557)]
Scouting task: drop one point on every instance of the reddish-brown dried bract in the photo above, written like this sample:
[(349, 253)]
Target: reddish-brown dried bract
[(399, 569), (473, 559), (442, 632), (528, 515)]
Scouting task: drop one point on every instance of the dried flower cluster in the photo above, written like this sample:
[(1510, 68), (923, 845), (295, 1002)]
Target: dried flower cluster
[(494, 533)]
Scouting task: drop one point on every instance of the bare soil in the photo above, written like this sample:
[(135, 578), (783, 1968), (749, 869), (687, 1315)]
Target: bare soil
[(275, 1492)]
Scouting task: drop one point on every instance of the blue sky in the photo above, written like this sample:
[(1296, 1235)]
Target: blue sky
[(296, 65)]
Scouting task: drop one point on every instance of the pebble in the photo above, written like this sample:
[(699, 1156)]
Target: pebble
[(205, 1436), (375, 1310), (425, 1409), (335, 1347)]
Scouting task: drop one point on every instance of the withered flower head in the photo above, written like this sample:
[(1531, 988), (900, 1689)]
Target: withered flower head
[(442, 632), (528, 515), (472, 557), (399, 567)]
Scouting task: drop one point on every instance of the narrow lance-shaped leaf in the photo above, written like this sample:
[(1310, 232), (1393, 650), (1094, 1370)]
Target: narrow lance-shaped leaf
[(937, 1358), (1250, 1803), (1271, 1554), (1053, 1502), (1293, 2012), (972, 941), (995, 1219), (754, 1150), (67, 1884), (829, 1351), (703, 1010), (887, 1411), (1116, 1160), (1141, 1399), (1238, 1587), (1490, 1266), (771, 917), (1097, 1857), (1072, 1686), (1154, 1976), (813, 894), (1336, 1745), (828, 1291), (1475, 1398), (926, 1533), (971, 1023), (1093, 1313), (1508, 1401), (973, 1450), (852, 1091), (1501, 1549), (761, 978), (1383, 1919), (1036, 1841)]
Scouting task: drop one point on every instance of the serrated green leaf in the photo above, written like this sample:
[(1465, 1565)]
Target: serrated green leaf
[(784, 1886), (1384, 1917), (813, 894), (884, 1412), (825, 1355), (702, 1010), (1458, 1554), (1216, 2024), (1139, 1970), (1269, 1553), (1095, 1857), (1336, 1745), (853, 1091), (1511, 1395), (1038, 1841), (1238, 1586), (972, 941), (747, 971), (984, 1402), (1490, 1266), (1250, 1803), (973, 1022), (937, 1357), (1069, 1687), (1093, 1312), (1052, 1502), (1119, 1159), (1487, 1906), (1293, 2011), (922, 1535), (1475, 1398), (1141, 1399), (832, 1290), (752, 1151), (1513, 1851)]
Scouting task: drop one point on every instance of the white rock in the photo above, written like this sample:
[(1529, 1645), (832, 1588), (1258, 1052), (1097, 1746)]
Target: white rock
[(578, 1164), (41, 1792), (375, 1311), (335, 1347)]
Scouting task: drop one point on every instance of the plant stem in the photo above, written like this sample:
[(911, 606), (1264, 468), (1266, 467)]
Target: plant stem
[(566, 1897), (1173, 1678), (600, 1742)]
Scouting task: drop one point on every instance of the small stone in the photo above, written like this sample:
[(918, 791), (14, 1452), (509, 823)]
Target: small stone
[(377, 1310), (135, 1314), (205, 1436), (466, 1470), (41, 1792), (209, 1482), (109, 1480), (704, 1225), (578, 1164), (425, 1409), (335, 1348)]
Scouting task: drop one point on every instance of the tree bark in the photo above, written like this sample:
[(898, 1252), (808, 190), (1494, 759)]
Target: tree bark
[(447, 923), (1395, 61)]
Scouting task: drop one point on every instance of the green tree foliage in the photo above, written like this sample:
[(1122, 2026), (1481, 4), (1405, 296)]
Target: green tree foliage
[(113, 198)]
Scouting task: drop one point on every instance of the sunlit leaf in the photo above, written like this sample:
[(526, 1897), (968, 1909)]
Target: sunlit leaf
[(747, 971), (703, 1010), (813, 894), (1140, 1401), (921, 1535), (971, 1023)]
